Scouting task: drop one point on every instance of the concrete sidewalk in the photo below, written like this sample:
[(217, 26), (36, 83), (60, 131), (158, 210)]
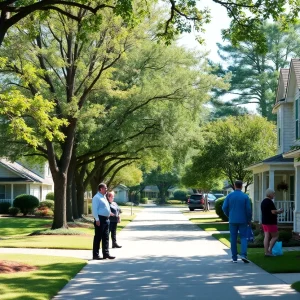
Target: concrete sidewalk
[(165, 256)]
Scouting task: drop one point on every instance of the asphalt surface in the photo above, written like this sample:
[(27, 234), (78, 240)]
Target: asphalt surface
[(165, 256)]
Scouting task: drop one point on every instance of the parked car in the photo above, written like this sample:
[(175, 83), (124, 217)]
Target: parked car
[(211, 200), (196, 201)]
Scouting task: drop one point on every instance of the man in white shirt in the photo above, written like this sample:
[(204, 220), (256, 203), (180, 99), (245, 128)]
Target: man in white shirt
[(101, 213)]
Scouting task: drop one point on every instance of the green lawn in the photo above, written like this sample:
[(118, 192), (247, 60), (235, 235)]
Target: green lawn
[(198, 220), (19, 237), (289, 262), (214, 227), (296, 286), (52, 275)]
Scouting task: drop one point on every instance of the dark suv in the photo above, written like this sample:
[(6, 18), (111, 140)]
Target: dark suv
[(196, 201)]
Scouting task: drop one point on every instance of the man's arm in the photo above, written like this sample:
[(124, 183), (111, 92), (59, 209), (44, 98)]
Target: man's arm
[(225, 207), (249, 210), (95, 203)]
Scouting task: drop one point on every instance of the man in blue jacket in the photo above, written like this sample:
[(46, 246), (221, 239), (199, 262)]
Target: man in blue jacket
[(237, 208)]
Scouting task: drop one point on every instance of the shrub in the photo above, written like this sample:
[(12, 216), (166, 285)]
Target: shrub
[(13, 211), (26, 203), (47, 203), (43, 212), (50, 196), (219, 210), (90, 208), (144, 200), (4, 206), (180, 195), (285, 236)]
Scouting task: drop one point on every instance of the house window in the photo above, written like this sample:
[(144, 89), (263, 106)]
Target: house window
[(2, 191), (278, 136), (297, 119)]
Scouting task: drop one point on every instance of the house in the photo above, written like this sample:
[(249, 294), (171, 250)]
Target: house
[(282, 171), (121, 193), (150, 192), (17, 179)]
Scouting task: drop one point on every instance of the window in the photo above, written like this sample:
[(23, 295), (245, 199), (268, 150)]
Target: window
[(2, 191), (278, 136), (297, 119)]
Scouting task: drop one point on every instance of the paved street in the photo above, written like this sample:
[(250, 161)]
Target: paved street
[(165, 256)]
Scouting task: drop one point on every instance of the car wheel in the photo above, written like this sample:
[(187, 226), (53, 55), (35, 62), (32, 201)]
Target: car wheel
[(191, 209)]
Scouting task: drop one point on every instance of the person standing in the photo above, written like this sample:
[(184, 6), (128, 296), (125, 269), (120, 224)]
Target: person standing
[(269, 221), (114, 220), (101, 213), (237, 207)]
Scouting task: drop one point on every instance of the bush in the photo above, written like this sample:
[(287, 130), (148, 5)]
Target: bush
[(43, 212), (13, 211), (90, 208), (219, 210), (26, 203), (180, 195), (4, 206), (144, 200), (47, 203), (285, 236), (50, 196)]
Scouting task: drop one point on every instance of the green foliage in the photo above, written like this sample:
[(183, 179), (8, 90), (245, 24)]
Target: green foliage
[(50, 196), (26, 203), (230, 146), (4, 206), (43, 211), (13, 211), (181, 195), (47, 203), (285, 236), (219, 210), (144, 200), (254, 75)]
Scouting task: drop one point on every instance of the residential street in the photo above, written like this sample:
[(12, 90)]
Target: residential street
[(165, 256)]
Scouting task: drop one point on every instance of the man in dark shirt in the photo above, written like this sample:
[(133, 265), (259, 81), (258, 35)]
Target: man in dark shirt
[(269, 221)]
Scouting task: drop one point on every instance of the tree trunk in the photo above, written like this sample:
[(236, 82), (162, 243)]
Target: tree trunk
[(76, 215), (60, 188)]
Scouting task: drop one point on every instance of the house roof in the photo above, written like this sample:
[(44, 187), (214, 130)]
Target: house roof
[(22, 173), (292, 154), (276, 159), (151, 188), (283, 77)]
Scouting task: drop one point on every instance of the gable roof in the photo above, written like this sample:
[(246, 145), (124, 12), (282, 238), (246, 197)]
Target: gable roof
[(295, 66), (283, 78), (276, 159), (22, 173)]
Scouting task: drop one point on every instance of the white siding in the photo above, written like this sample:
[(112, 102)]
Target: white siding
[(4, 172), (287, 131), (35, 191)]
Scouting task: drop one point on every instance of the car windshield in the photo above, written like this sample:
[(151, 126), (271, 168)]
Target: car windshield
[(210, 196), (196, 197)]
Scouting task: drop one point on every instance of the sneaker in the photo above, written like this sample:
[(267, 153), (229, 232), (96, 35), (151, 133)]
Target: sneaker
[(234, 261), (245, 259)]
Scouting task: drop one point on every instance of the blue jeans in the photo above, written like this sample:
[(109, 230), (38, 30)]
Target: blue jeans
[(234, 229)]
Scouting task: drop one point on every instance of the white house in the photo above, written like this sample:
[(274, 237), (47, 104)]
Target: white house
[(121, 193), (16, 179), (283, 167)]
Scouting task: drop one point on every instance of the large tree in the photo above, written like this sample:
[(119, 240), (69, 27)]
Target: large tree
[(230, 146), (254, 74), (180, 16)]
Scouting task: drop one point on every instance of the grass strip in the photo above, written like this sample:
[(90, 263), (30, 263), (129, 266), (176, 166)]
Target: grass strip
[(52, 275), (197, 220), (289, 262), (214, 227)]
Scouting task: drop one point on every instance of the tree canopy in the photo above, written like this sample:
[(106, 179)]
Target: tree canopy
[(230, 146)]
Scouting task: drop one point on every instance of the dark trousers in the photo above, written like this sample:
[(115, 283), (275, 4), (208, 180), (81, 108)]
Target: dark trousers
[(113, 232), (101, 233)]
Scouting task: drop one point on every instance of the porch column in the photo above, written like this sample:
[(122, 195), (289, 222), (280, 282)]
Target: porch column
[(297, 200), (256, 206), (11, 194), (263, 190), (271, 180)]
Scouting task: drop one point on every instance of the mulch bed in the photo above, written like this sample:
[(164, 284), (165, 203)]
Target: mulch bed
[(7, 266)]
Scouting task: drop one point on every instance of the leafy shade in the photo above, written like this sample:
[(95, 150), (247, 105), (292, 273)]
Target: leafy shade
[(231, 145)]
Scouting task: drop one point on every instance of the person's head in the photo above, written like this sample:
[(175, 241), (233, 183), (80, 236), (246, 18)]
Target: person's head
[(238, 184), (270, 193), (102, 188), (110, 196)]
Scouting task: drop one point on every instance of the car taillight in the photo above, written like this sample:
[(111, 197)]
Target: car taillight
[(188, 201), (202, 201)]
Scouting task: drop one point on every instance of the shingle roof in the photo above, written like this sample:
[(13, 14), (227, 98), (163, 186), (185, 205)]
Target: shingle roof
[(278, 159), (295, 62), (283, 76), (21, 171)]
